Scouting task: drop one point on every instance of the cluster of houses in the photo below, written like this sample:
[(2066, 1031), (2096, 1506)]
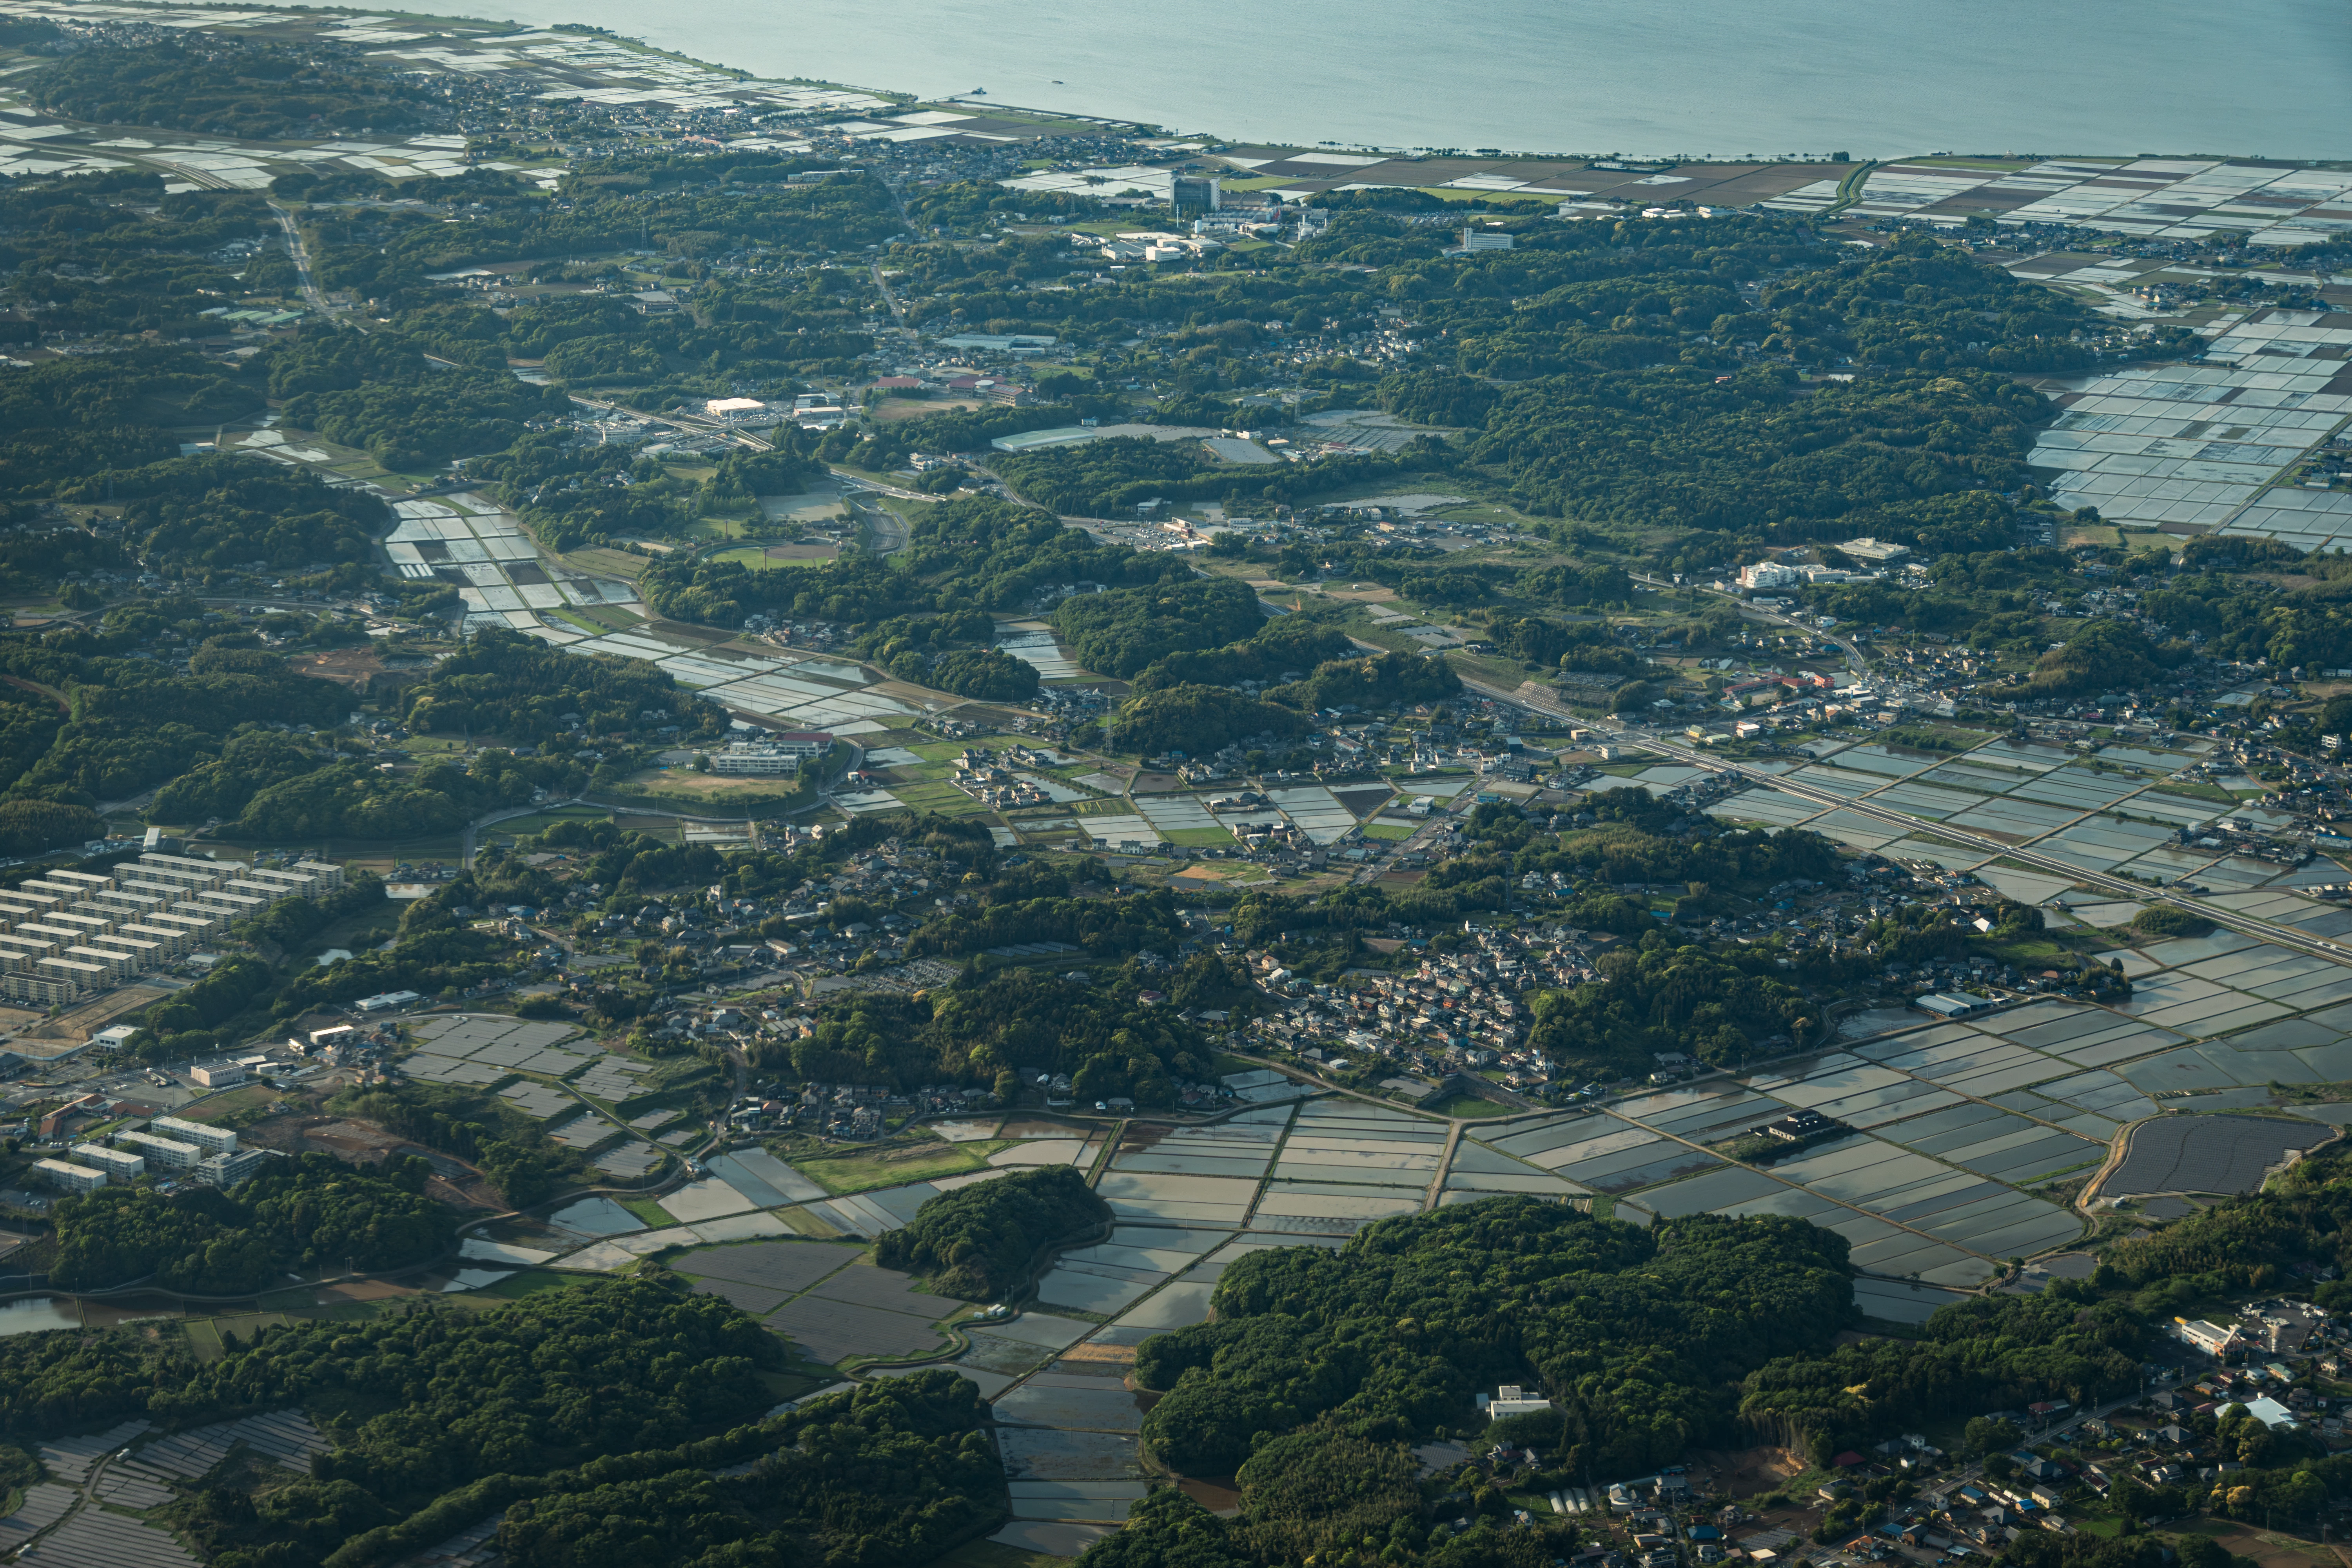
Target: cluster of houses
[(1463, 1011)]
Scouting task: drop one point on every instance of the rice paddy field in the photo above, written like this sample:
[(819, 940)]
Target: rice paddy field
[(1955, 1132), (1963, 1135), (2122, 809), (1961, 1144)]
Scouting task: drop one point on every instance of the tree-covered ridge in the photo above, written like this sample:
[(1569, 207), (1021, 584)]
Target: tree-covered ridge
[(354, 800), (1989, 1353), (977, 1242), (1381, 681), (1198, 721), (1636, 1337), (382, 394), (311, 1211), (1759, 451), (227, 88), (228, 511), (1283, 648), (131, 723), (62, 420), (897, 1471), (973, 554), (1121, 631), (1006, 1029), (504, 683)]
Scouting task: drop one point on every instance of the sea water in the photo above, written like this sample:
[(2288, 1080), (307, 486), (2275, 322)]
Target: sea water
[(1638, 78)]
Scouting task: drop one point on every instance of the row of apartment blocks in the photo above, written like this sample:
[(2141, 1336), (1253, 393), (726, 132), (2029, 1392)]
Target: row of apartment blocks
[(181, 1149), (69, 932)]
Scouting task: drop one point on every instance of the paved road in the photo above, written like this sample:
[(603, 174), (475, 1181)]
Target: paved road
[(883, 288), (1855, 658), (2270, 932), (302, 255), (860, 482), (466, 841), (1421, 837), (693, 422)]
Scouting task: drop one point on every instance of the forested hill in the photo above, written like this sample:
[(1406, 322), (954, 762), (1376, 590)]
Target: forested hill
[(590, 1417), (229, 87), (1390, 1337), (1736, 372)]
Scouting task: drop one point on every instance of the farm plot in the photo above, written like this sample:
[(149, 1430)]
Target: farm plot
[(2208, 1154), (1317, 811), (1175, 812), (1776, 808)]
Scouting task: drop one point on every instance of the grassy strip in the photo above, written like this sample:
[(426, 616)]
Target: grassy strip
[(867, 1170)]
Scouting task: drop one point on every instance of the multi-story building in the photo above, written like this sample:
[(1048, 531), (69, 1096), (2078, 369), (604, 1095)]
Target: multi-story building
[(225, 1170), (71, 931), (74, 1179), (211, 1140), (166, 1154), (119, 1164)]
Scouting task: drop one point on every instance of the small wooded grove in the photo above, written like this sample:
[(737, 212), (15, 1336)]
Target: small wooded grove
[(978, 1242), (1004, 1028), (1390, 1338), (308, 1212)]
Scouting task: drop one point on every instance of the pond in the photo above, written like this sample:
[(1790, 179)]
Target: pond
[(38, 1314)]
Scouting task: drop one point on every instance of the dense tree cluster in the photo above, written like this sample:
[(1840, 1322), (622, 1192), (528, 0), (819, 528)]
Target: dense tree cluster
[(382, 394), (227, 87), (1385, 680), (979, 1242), (230, 511), (30, 826), (1634, 1337), (2106, 655), (1986, 1353), (988, 674), (972, 554), (1121, 631), (67, 419), (897, 1471), (1003, 1029), (1198, 721), (311, 1211), (1284, 649), (131, 723), (507, 684)]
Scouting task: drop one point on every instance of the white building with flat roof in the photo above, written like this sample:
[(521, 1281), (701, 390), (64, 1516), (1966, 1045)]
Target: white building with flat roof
[(166, 1153), (211, 1140), (754, 760), (76, 1179), (120, 1164)]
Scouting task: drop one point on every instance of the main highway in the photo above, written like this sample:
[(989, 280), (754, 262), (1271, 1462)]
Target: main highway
[(1648, 739)]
